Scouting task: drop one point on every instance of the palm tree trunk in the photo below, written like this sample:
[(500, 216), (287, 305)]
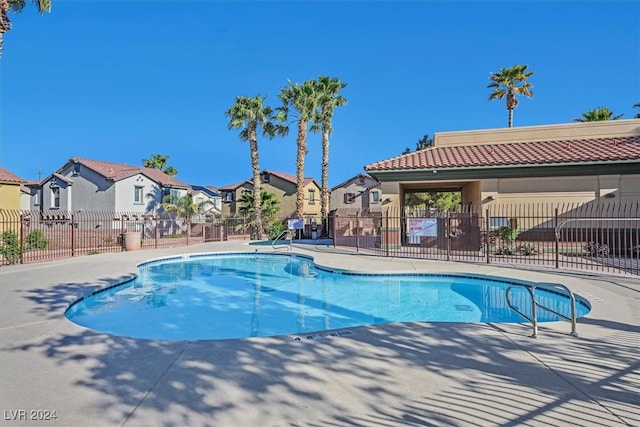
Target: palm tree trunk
[(324, 192), (257, 186), (302, 151)]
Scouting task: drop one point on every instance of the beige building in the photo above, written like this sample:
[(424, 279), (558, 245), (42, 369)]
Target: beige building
[(576, 162), (359, 192), (284, 186), (10, 190)]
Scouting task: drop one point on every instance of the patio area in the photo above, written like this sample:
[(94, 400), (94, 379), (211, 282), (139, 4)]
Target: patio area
[(403, 374)]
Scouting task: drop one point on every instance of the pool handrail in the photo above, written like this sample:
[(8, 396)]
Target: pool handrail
[(281, 236), (534, 304)]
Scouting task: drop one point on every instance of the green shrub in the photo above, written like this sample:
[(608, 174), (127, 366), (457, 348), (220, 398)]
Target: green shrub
[(274, 229), (10, 246), (36, 240)]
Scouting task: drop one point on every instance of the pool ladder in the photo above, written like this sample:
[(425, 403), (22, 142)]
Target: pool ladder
[(285, 235), (535, 304)]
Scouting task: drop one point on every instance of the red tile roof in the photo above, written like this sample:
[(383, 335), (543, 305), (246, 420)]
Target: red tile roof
[(118, 171), (288, 177), (232, 187), (514, 154), (8, 176)]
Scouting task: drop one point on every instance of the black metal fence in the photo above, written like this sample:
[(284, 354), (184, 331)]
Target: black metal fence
[(32, 236), (594, 236)]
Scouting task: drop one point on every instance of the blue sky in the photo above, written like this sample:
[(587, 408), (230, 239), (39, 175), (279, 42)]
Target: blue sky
[(121, 80)]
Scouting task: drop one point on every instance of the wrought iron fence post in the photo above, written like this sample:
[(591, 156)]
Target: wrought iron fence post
[(73, 234), (122, 231), (357, 233), (333, 229), (156, 232), (447, 230), (21, 238), (386, 214), (487, 235), (557, 236)]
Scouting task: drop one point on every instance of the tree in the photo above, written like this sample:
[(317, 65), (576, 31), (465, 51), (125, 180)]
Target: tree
[(159, 161), (7, 6), (597, 115), (301, 102), (269, 207), (329, 98), (424, 142), (183, 206), (509, 82), (249, 114), (441, 201), (637, 116)]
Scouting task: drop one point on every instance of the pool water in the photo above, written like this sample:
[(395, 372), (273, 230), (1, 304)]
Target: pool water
[(222, 296)]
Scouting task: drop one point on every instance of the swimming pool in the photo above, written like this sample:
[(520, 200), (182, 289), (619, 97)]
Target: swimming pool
[(239, 295)]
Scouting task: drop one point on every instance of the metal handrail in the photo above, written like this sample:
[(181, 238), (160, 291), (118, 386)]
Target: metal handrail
[(565, 222), (282, 236), (535, 304)]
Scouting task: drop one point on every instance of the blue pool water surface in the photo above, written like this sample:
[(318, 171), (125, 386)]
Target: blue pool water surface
[(221, 296)]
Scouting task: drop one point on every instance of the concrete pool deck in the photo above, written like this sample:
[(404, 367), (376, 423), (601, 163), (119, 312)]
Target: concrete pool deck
[(408, 374)]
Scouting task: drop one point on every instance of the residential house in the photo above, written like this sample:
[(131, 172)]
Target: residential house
[(208, 199), (284, 186), (230, 195), (10, 184), (93, 185), (359, 192)]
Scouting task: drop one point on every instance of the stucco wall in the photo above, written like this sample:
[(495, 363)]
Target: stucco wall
[(362, 200), (587, 130), (285, 191), (9, 196), (578, 189), (151, 194)]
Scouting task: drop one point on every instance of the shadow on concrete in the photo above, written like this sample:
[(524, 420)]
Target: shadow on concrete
[(410, 374)]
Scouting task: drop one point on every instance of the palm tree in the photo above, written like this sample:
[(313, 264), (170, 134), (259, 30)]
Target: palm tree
[(329, 98), (509, 82), (183, 207), (248, 114), (303, 99), (637, 116), (597, 115), (7, 6), (159, 161)]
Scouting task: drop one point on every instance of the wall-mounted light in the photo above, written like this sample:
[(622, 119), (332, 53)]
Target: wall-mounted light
[(490, 198), (610, 195)]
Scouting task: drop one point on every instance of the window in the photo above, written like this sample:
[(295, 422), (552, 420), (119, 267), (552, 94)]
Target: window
[(199, 200), (55, 197), (137, 194), (266, 177), (312, 196), (375, 197), (36, 198), (228, 196), (349, 197)]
